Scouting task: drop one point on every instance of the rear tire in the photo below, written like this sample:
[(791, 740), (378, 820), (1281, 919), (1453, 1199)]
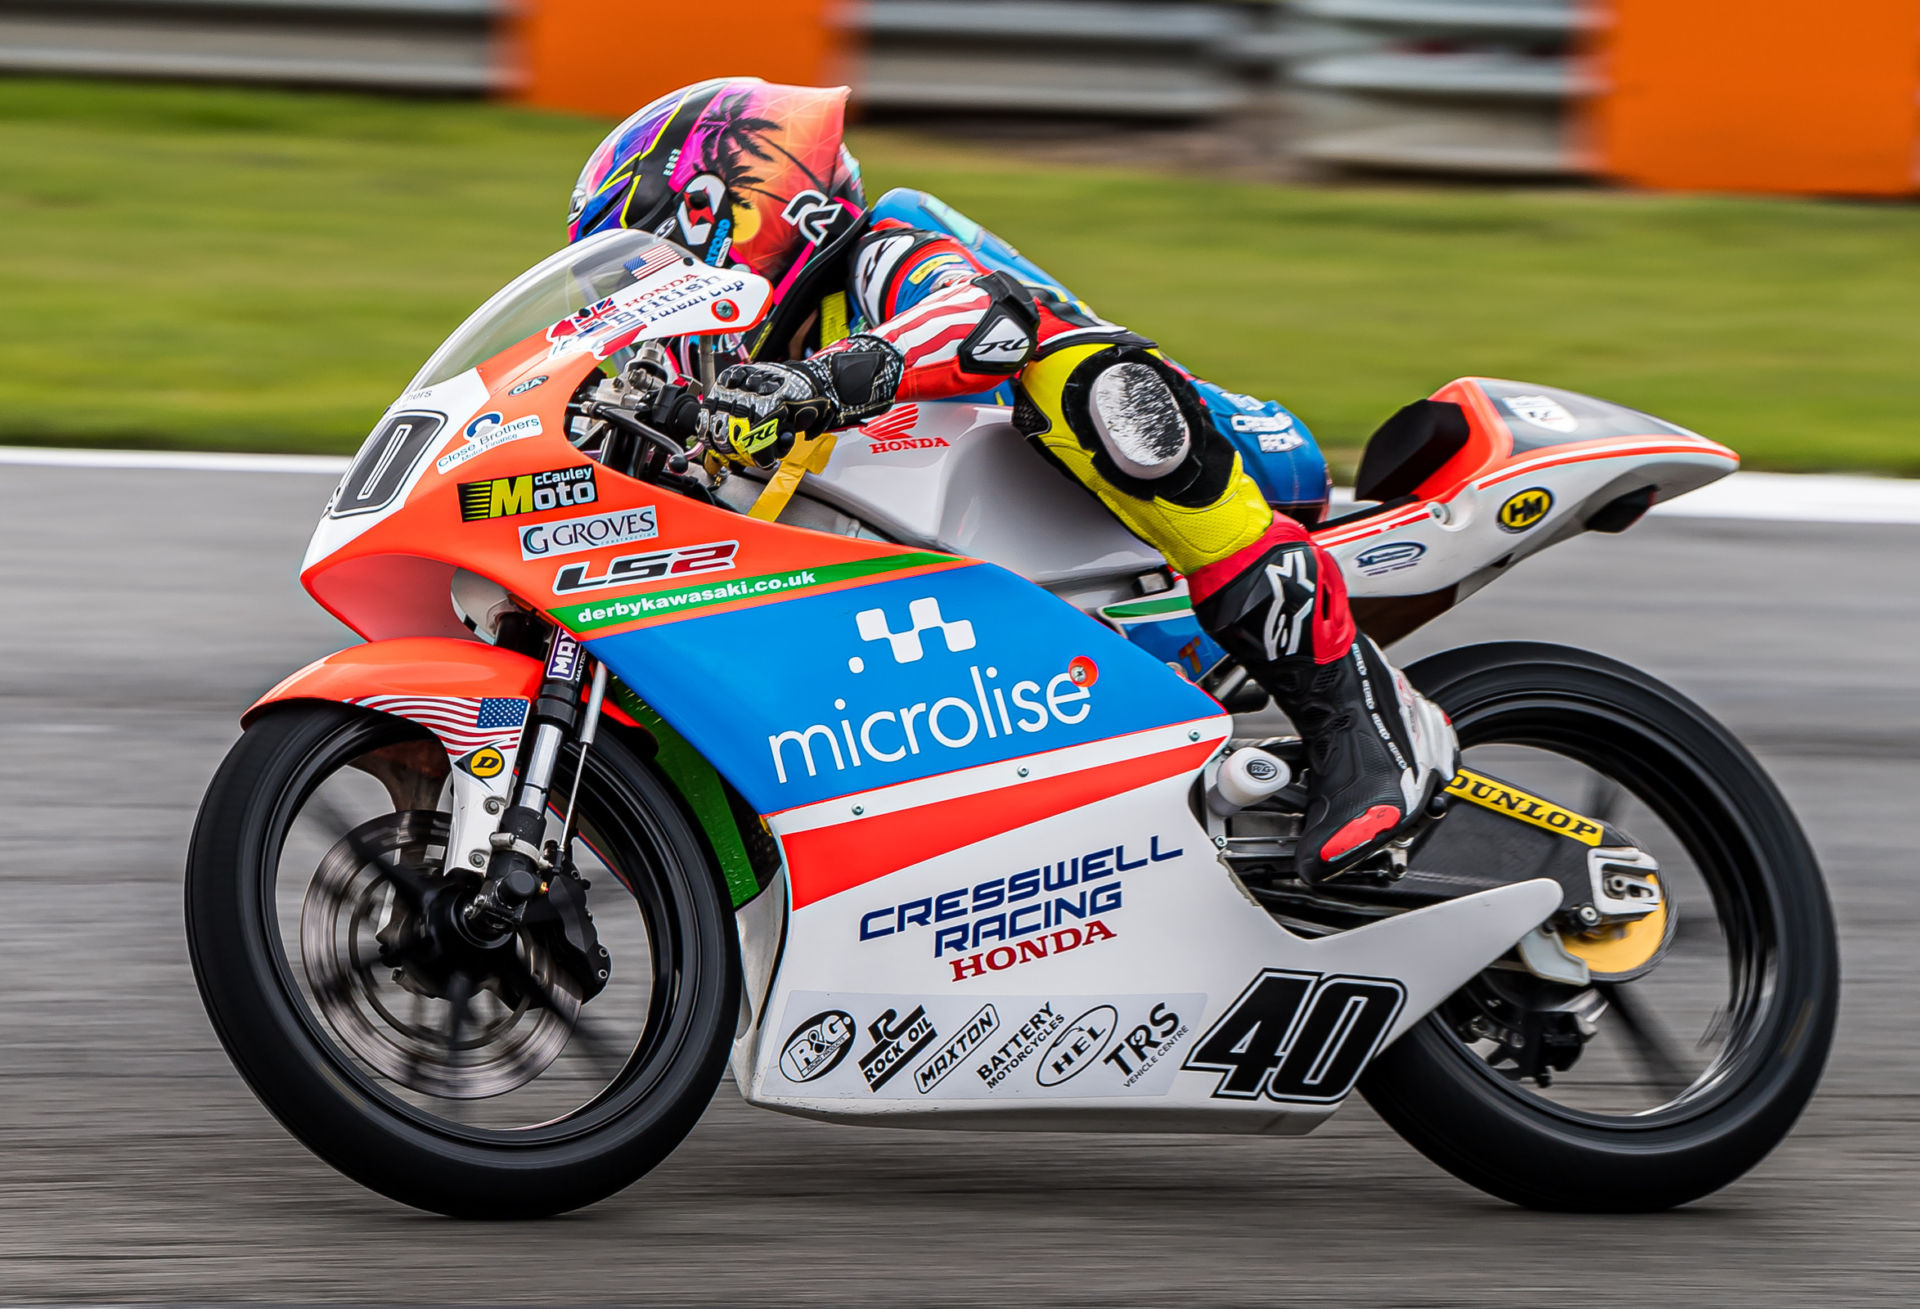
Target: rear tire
[(353, 1120), (1737, 828)]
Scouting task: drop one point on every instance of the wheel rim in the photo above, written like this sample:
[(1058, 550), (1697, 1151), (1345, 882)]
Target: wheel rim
[(524, 1072), (1709, 857)]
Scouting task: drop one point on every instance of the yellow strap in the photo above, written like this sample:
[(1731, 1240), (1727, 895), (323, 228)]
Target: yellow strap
[(833, 318), (809, 455)]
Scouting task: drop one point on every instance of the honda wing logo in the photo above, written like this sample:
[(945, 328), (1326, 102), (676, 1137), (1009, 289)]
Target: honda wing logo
[(924, 614)]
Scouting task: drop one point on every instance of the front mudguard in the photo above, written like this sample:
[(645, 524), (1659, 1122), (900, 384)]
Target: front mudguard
[(421, 678)]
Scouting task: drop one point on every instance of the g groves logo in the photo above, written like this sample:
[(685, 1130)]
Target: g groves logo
[(568, 536), (529, 493), (981, 705)]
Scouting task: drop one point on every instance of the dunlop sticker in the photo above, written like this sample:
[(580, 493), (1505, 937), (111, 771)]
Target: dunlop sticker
[(1504, 799)]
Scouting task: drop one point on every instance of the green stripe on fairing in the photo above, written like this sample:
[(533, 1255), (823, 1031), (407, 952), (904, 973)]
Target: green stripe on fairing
[(697, 781), (1171, 604), (659, 604)]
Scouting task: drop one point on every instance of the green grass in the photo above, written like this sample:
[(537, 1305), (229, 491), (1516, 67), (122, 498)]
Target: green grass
[(263, 270)]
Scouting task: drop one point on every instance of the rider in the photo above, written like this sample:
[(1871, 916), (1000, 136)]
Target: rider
[(907, 300)]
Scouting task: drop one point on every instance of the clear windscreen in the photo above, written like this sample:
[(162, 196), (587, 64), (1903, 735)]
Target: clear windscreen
[(567, 280)]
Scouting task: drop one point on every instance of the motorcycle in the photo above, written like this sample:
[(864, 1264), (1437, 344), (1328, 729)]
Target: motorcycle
[(902, 782)]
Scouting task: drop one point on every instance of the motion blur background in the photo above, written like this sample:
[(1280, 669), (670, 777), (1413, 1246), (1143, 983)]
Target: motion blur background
[(256, 216), (241, 225)]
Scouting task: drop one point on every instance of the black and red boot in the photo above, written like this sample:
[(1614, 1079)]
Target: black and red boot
[(1378, 752)]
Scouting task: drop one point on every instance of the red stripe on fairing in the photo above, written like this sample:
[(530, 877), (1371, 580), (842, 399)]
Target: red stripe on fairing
[(825, 861)]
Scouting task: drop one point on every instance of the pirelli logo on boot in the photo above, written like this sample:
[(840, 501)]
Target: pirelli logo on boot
[(529, 493), (1490, 793)]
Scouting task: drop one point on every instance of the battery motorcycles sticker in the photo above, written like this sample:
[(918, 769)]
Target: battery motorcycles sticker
[(1017, 1047)]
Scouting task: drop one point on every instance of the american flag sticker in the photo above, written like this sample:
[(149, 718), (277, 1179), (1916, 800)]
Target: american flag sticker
[(463, 723), (656, 258)]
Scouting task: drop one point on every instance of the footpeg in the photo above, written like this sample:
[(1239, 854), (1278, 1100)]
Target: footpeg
[(1245, 778)]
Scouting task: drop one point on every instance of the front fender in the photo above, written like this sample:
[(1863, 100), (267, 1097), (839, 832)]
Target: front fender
[(410, 666)]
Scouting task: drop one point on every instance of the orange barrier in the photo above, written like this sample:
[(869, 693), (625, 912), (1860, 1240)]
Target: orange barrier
[(1761, 95), (609, 57)]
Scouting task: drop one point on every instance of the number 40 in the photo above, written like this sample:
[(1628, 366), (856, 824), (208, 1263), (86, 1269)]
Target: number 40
[(1298, 1036)]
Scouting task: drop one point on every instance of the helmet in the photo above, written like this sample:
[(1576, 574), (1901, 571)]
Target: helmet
[(736, 169)]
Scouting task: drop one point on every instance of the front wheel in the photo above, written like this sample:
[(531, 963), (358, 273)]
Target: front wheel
[(1670, 1079), (510, 1078)]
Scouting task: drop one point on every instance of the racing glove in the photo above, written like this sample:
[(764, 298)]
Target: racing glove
[(755, 411)]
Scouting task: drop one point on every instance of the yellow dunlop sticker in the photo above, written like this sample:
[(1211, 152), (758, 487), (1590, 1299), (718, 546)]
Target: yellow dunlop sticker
[(1503, 799), (1525, 508), (484, 763)]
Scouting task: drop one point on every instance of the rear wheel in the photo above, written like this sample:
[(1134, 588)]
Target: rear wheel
[(1686, 1068), (509, 1078)]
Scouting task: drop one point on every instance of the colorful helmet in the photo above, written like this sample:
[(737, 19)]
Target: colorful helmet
[(738, 170)]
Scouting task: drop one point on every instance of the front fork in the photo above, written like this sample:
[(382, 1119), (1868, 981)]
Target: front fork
[(516, 866)]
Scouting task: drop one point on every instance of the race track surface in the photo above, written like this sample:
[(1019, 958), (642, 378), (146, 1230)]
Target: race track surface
[(146, 609)]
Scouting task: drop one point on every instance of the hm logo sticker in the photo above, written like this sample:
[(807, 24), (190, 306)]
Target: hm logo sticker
[(924, 614)]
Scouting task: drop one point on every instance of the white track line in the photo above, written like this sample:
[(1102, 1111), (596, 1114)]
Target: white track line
[(1780, 497), (192, 461)]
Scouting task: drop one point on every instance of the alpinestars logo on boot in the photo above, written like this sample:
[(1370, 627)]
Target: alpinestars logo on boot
[(1286, 624)]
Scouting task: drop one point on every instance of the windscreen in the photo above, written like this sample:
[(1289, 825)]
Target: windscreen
[(580, 275)]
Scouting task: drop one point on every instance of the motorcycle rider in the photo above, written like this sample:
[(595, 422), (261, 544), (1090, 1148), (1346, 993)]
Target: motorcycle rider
[(907, 300)]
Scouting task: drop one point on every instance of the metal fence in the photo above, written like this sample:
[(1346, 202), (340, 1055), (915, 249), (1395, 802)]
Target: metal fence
[(1452, 85), (444, 46)]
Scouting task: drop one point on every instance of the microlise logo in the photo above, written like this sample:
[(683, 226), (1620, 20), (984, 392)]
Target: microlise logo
[(981, 703)]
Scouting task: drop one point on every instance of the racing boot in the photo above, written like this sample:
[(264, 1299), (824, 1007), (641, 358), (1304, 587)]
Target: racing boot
[(1378, 752)]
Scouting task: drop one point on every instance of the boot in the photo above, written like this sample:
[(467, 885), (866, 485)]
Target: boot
[(1378, 752)]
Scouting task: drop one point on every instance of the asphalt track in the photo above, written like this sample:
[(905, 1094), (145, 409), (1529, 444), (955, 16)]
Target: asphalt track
[(144, 609)]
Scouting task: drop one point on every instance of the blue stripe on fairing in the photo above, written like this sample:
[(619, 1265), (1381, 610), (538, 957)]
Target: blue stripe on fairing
[(733, 683)]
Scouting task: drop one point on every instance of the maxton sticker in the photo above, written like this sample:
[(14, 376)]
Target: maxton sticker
[(954, 1053)]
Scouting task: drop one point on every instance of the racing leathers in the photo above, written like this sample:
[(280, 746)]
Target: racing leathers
[(1110, 410)]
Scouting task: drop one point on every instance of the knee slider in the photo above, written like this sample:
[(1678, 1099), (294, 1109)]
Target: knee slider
[(1137, 418)]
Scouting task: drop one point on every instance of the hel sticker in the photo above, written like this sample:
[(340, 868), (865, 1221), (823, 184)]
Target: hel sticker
[(1490, 793), (1525, 508), (817, 1046), (484, 763), (1079, 1047)]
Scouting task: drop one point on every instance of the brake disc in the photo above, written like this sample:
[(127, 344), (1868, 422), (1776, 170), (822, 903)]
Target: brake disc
[(447, 1022)]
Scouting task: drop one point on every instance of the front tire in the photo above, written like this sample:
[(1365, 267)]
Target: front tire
[(1765, 885), (448, 1155)]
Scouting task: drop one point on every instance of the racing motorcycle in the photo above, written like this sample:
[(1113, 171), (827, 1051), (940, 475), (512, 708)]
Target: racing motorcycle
[(902, 781)]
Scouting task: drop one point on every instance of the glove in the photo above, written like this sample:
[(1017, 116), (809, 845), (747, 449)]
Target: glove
[(755, 411)]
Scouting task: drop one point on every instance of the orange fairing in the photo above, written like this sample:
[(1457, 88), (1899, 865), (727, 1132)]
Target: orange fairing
[(610, 554), (420, 666)]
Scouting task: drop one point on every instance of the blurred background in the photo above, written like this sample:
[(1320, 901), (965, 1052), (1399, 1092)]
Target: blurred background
[(264, 213), (242, 225)]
